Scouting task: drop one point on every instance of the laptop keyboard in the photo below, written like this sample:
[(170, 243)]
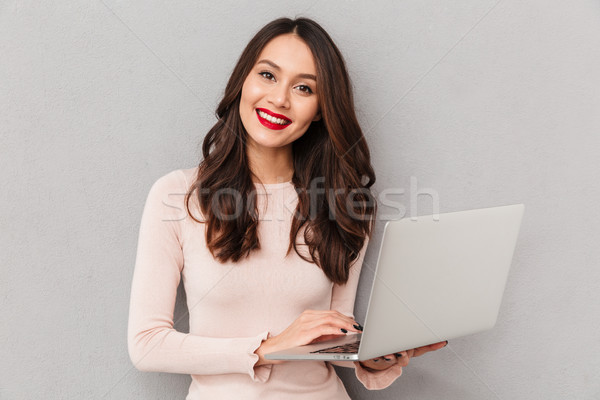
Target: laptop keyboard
[(346, 348)]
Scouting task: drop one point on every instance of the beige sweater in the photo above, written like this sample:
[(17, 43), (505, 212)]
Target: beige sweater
[(232, 306)]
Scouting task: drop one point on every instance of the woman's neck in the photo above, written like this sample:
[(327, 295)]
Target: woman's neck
[(271, 165)]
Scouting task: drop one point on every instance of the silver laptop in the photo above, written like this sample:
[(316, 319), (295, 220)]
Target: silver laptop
[(438, 277)]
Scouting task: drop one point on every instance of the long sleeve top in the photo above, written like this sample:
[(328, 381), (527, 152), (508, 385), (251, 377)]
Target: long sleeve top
[(232, 307)]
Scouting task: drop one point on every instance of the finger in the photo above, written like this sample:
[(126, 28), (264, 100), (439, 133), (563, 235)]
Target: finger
[(329, 312), (419, 351), (343, 323), (353, 324), (328, 330), (402, 358), (434, 346), (340, 325), (309, 331)]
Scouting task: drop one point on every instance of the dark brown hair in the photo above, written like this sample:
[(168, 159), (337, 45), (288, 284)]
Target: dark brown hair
[(332, 167)]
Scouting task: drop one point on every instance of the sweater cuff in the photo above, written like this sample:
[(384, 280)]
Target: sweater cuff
[(376, 380), (262, 372)]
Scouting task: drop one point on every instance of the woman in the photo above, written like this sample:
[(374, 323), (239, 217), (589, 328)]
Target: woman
[(268, 232)]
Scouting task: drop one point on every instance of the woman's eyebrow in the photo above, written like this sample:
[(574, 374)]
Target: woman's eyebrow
[(272, 64)]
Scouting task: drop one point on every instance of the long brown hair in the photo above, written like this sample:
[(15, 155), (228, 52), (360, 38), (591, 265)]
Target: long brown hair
[(332, 166)]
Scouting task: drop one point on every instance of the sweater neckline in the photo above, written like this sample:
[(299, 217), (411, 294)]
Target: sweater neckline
[(273, 185)]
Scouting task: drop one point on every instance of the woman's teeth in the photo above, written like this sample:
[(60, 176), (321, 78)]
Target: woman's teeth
[(274, 120)]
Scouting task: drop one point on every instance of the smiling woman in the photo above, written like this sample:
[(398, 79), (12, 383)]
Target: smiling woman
[(270, 255)]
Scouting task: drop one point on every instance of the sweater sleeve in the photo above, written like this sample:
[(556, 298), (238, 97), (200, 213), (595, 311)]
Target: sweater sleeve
[(342, 300), (153, 343)]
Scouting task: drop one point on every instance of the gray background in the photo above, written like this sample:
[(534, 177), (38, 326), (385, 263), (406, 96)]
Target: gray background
[(482, 103)]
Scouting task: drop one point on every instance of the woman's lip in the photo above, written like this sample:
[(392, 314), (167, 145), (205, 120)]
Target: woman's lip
[(269, 124), (272, 114)]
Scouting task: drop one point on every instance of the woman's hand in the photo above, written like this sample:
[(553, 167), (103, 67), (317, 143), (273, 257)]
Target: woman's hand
[(310, 327), (402, 358)]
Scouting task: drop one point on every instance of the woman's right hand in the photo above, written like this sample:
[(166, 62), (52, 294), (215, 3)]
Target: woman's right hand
[(310, 327)]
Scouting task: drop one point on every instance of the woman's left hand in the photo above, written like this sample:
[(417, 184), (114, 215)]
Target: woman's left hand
[(402, 358)]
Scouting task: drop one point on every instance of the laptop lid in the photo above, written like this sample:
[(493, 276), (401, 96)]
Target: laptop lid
[(439, 277)]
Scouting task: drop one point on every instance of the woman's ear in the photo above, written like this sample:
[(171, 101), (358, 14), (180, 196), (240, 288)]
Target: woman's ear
[(317, 117)]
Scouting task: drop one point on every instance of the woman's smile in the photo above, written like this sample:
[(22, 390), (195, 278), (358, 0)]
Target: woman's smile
[(272, 120)]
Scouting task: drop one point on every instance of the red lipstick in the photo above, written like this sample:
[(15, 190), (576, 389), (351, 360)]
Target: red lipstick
[(270, 124)]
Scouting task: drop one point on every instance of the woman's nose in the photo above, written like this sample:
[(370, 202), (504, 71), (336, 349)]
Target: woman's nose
[(279, 96)]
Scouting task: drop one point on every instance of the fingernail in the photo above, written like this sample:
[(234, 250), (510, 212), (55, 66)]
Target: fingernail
[(446, 343), (343, 330), (358, 326)]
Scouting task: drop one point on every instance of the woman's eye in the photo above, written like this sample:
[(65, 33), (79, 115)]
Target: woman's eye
[(305, 89), (267, 75)]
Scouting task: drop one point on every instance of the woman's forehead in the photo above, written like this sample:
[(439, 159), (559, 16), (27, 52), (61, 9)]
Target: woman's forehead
[(288, 53)]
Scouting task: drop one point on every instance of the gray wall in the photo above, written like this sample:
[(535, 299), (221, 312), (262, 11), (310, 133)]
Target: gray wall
[(482, 102)]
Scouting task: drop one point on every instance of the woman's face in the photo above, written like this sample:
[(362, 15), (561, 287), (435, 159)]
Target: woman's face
[(279, 96)]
